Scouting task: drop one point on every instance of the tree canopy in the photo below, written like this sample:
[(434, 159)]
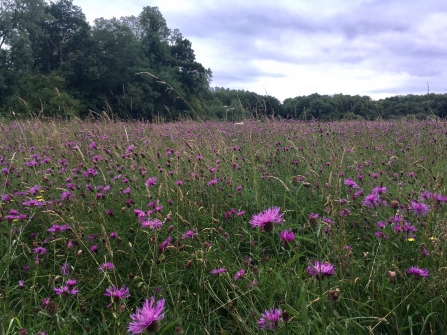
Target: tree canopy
[(54, 63)]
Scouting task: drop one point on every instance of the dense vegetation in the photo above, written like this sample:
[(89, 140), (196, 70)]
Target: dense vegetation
[(54, 63), (303, 227)]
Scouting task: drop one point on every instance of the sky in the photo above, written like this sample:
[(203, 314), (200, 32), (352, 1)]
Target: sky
[(289, 48)]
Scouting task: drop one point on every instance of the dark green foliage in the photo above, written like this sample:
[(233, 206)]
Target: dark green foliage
[(136, 67)]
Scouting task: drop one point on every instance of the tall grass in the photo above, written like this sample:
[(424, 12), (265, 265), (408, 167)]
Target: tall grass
[(368, 198)]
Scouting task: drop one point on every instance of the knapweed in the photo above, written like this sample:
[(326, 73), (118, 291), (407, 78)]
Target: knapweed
[(287, 237), (218, 271), (351, 183), (239, 274), (65, 269), (40, 250), (164, 244), (66, 290), (265, 219), (371, 200), (153, 224), (117, 294), (147, 318), (106, 267), (270, 318), (151, 181), (313, 219), (419, 208), (189, 234), (417, 272), (320, 269)]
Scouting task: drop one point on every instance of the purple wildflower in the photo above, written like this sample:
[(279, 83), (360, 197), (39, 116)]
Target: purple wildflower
[(45, 302), (267, 218), (151, 181), (56, 228), (270, 318), (380, 234), (379, 190), (287, 236), (320, 269), (371, 200), (154, 224), (147, 318), (351, 183), (164, 244), (417, 272), (189, 234), (66, 290), (419, 208), (66, 195), (117, 294), (212, 182), (40, 250), (239, 274), (218, 271), (108, 266), (65, 269)]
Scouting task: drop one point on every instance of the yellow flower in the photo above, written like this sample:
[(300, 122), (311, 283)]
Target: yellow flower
[(411, 239), (432, 238)]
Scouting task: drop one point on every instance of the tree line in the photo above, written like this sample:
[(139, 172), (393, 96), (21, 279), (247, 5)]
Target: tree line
[(54, 63)]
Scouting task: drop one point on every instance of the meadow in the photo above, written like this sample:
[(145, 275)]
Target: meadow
[(262, 227)]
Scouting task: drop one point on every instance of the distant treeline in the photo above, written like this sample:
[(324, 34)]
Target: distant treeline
[(54, 63)]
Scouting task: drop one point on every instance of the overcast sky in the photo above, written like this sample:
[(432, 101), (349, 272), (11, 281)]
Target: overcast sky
[(289, 48)]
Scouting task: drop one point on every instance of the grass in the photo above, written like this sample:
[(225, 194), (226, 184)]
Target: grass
[(82, 191)]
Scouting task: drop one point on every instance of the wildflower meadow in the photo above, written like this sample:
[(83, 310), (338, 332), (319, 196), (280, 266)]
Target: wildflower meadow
[(259, 227)]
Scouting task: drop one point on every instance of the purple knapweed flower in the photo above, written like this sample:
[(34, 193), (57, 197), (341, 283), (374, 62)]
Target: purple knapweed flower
[(265, 219), (218, 271), (108, 266), (212, 182), (153, 224), (45, 302), (65, 269), (239, 274), (71, 282), (151, 181), (66, 290), (287, 236), (320, 269), (379, 190), (189, 234), (57, 229), (40, 250), (351, 183), (117, 294), (380, 234), (419, 208), (371, 201), (270, 318), (147, 318), (66, 196), (417, 272), (164, 244)]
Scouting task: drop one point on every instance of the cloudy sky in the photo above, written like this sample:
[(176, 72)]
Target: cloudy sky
[(289, 48)]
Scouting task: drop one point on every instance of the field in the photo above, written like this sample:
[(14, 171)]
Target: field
[(268, 226)]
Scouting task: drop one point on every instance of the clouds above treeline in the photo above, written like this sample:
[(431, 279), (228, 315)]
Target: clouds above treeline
[(292, 48)]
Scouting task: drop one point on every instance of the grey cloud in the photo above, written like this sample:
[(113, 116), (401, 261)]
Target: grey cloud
[(375, 35)]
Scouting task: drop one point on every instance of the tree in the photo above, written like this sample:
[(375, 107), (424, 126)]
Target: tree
[(64, 32)]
